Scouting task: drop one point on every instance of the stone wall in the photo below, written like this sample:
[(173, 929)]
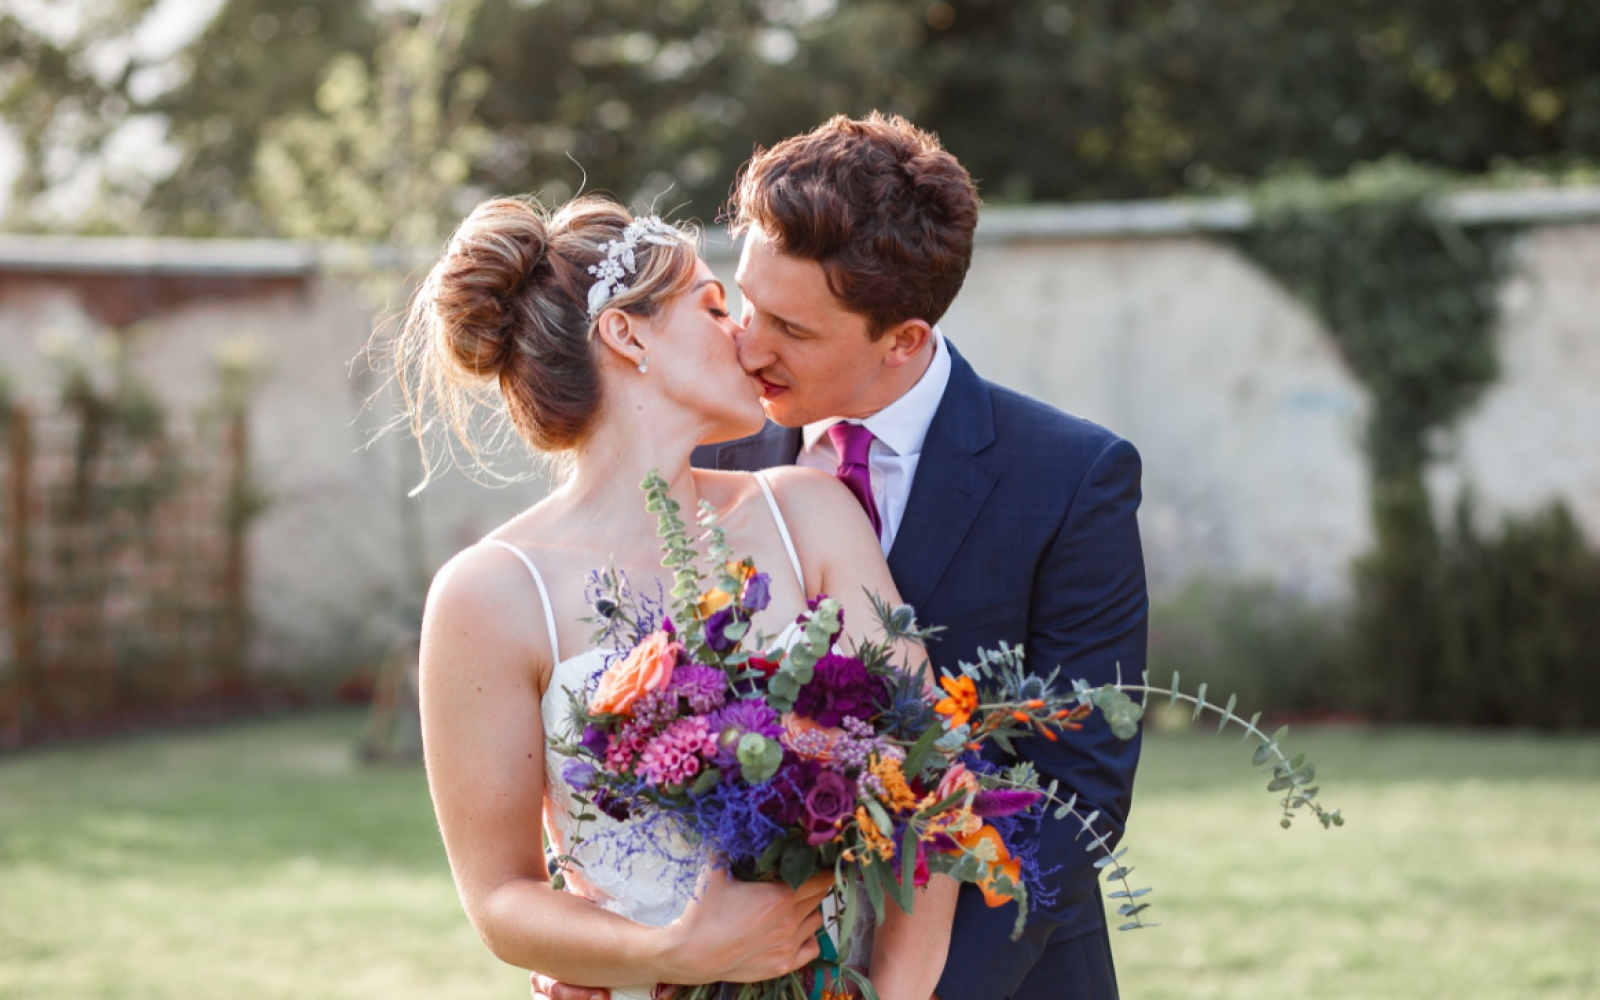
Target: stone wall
[(1248, 423)]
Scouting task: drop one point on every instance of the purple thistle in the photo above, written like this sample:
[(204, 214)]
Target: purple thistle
[(1003, 802)]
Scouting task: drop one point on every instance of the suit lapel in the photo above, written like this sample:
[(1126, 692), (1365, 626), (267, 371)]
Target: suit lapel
[(953, 480), (773, 445)]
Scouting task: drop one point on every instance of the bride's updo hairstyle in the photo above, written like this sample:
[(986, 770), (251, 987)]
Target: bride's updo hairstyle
[(501, 327)]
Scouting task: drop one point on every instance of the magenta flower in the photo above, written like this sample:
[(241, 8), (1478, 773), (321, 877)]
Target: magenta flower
[(839, 687)]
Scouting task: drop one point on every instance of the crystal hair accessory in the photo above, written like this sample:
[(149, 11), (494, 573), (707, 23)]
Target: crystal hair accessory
[(619, 261)]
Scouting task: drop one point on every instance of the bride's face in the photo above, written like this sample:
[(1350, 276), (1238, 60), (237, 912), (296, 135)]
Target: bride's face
[(695, 360)]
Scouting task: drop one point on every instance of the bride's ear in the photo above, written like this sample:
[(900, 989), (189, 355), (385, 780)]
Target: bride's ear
[(621, 334)]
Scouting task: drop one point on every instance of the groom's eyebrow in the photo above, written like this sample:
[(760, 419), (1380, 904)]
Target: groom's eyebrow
[(791, 324)]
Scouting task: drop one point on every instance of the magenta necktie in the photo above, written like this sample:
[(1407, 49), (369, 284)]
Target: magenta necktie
[(853, 443)]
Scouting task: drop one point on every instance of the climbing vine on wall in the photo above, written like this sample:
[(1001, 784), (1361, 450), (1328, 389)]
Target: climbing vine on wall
[(1408, 295), (1409, 298)]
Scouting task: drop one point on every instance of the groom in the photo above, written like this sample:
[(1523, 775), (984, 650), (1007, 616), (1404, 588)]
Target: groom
[(1002, 518)]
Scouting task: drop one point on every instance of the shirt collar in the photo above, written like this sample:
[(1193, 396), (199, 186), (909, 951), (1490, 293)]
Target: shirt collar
[(903, 424)]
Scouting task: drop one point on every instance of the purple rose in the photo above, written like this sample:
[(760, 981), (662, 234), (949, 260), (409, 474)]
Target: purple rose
[(831, 799), (757, 593), (788, 788), (840, 686), (716, 626)]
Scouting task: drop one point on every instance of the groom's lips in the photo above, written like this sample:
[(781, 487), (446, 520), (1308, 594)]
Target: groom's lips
[(771, 390)]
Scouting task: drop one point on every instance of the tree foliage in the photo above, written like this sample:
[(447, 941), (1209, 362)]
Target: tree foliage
[(1043, 100)]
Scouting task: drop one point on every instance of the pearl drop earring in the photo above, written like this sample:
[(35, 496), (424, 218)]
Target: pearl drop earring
[(644, 364)]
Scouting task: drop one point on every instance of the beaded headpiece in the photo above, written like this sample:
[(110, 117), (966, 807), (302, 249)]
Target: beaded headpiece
[(619, 260)]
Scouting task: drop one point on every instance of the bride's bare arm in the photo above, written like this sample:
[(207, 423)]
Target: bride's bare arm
[(842, 558), (485, 662)]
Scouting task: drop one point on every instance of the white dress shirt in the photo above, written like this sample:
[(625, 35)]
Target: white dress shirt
[(899, 430)]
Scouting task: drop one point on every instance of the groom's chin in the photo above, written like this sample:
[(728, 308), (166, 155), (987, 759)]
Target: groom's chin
[(781, 415)]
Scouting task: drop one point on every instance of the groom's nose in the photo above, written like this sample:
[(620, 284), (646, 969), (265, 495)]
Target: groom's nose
[(751, 340)]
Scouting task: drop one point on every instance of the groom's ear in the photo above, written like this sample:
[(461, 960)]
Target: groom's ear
[(905, 341), (619, 333)]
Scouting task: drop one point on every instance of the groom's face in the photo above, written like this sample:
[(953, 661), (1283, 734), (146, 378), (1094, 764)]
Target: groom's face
[(812, 355)]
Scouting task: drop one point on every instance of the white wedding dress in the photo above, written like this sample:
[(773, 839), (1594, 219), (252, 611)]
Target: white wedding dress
[(640, 886)]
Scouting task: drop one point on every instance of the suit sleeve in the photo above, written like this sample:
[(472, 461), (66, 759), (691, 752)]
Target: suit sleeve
[(1089, 613)]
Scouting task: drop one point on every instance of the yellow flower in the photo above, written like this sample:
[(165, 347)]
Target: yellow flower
[(712, 601), (741, 570), (963, 700)]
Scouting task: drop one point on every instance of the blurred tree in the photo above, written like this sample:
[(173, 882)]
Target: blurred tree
[(386, 153), (1043, 100)]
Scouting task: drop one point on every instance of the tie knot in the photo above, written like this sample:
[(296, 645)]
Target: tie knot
[(852, 441)]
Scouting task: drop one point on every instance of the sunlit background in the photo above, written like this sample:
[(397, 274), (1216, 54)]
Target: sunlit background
[(1333, 268)]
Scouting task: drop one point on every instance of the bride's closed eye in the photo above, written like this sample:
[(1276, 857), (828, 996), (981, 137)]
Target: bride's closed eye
[(720, 313)]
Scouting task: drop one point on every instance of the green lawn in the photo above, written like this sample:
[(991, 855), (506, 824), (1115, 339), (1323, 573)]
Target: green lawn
[(260, 861)]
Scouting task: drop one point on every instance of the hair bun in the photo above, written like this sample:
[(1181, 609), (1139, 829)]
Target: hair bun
[(494, 253)]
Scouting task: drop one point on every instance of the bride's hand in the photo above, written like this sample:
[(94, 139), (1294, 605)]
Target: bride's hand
[(745, 932)]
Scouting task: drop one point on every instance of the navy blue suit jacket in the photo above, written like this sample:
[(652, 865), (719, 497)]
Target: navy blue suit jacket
[(1020, 526)]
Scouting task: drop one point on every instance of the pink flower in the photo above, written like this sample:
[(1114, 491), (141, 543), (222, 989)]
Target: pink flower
[(957, 779), (673, 756)]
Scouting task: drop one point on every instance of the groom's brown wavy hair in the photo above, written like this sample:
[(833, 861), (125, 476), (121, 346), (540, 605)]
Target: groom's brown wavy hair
[(886, 211)]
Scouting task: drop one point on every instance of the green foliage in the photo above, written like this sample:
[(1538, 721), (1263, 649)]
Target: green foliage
[(1483, 627), (1407, 296), (383, 155), (1042, 100), (1278, 651), (1449, 626)]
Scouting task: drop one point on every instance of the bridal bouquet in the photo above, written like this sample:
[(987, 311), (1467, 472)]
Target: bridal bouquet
[(777, 760)]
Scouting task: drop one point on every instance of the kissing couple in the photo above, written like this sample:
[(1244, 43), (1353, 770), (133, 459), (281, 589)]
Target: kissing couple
[(838, 434)]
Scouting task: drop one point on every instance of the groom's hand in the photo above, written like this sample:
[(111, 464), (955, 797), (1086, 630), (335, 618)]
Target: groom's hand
[(545, 988)]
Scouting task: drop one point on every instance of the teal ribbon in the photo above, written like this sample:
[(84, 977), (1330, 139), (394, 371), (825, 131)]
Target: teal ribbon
[(826, 964)]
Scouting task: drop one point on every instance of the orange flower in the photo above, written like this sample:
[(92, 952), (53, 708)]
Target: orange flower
[(648, 668), (963, 700), (712, 601), (741, 570), (897, 795), (986, 839), (796, 730)]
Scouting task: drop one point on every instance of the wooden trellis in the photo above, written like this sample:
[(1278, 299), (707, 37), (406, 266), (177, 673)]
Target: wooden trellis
[(122, 560)]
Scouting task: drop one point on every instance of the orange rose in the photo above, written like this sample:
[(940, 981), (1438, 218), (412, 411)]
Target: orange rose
[(648, 668), (797, 736)]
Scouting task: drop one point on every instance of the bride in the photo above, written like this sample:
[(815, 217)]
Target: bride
[(608, 343)]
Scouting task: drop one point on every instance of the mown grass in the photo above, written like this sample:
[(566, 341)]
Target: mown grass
[(261, 861)]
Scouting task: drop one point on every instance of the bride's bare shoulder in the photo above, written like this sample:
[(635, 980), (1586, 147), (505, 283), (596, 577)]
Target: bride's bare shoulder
[(483, 591)]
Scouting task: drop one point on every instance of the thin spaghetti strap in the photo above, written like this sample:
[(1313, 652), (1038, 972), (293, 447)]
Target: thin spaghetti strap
[(783, 530), (544, 595)]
